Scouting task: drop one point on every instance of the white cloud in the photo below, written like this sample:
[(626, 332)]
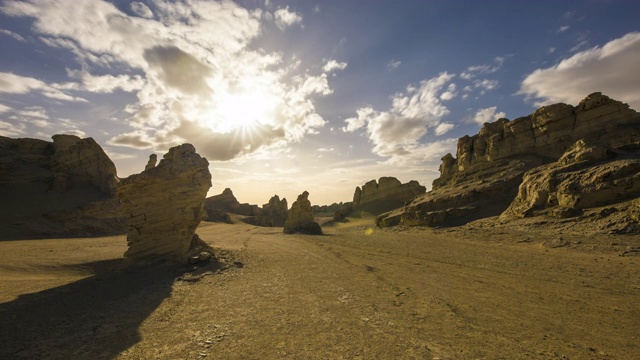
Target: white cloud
[(443, 128), (486, 115), (16, 84), (285, 18), (610, 69), (394, 64), (16, 36), (11, 130), (472, 71), (5, 108), (141, 10), (562, 29), (397, 132), (450, 93), (198, 80), (105, 83), (485, 85), (333, 65)]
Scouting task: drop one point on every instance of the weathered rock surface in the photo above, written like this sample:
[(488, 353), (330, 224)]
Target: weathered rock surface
[(164, 205), (484, 177), (300, 218), (60, 188), (275, 212), (385, 194), (584, 177)]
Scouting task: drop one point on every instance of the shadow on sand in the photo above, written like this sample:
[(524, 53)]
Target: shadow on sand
[(94, 318)]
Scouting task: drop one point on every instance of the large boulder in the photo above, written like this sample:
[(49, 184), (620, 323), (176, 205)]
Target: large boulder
[(60, 188), (484, 177), (300, 218), (165, 205)]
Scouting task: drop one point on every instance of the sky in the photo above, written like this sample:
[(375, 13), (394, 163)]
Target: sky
[(287, 96)]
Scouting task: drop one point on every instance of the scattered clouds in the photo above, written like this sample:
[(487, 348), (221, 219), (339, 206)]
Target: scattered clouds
[(443, 128), (5, 108), (16, 36), (473, 71), (11, 130), (16, 84), (141, 10), (393, 64), (397, 132), (485, 85), (562, 29), (333, 65), (486, 115), (450, 93), (285, 18), (195, 77), (609, 69)]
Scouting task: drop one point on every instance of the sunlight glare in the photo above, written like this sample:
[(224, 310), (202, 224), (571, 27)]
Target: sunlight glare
[(242, 111)]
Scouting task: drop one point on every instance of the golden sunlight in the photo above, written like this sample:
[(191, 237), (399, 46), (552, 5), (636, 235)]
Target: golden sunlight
[(242, 111)]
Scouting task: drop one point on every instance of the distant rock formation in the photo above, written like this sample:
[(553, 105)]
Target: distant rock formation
[(227, 202), (300, 218), (153, 159), (275, 212), (385, 194), (484, 177), (164, 205), (60, 188)]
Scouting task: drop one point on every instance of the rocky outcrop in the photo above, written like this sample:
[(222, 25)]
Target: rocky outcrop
[(275, 212), (227, 202), (484, 177), (59, 188), (586, 176), (164, 205), (300, 218), (385, 194)]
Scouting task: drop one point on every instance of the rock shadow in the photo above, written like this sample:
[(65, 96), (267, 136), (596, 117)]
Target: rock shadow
[(94, 318)]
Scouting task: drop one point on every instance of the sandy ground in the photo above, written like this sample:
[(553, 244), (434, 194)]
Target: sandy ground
[(358, 292)]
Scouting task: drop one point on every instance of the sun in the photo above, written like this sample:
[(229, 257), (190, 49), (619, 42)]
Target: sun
[(242, 111)]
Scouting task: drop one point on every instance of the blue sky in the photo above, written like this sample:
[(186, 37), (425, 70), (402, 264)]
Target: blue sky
[(287, 96)]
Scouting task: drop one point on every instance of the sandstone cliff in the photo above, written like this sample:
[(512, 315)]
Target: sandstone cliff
[(164, 205), (484, 177), (385, 194), (60, 188), (300, 218)]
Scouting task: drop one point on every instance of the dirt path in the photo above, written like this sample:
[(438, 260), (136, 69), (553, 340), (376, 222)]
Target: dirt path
[(360, 293)]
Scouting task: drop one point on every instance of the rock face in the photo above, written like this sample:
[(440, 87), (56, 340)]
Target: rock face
[(275, 212), (164, 205), (60, 188), (300, 218), (586, 176), (385, 194), (227, 202), (489, 167)]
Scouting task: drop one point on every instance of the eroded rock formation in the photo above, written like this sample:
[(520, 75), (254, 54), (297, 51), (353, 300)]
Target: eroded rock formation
[(164, 205), (60, 188), (300, 218), (275, 211), (483, 178), (227, 202), (385, 194)]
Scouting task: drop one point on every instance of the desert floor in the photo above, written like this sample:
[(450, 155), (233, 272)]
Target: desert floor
[(358, 292)]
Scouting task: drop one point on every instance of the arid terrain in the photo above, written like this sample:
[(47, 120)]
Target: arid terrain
[(357, 292)]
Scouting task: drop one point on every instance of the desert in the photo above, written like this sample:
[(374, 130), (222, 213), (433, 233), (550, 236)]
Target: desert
[(330, 281)]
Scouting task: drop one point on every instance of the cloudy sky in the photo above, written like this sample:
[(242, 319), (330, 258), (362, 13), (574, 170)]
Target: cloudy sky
[(287, 96)]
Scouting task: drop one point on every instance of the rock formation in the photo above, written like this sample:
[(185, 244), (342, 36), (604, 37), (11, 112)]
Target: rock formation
[(300, 218), (484, 177), (275, 211), (164, 205), (227, 202), (153, 159), (385, 194), (60, 188)]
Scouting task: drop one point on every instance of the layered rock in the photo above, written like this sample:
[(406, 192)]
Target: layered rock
[(385, 194), (586, 176), (227, 202), (164, 205), (59, 188), (300, 218), (484, 177)]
